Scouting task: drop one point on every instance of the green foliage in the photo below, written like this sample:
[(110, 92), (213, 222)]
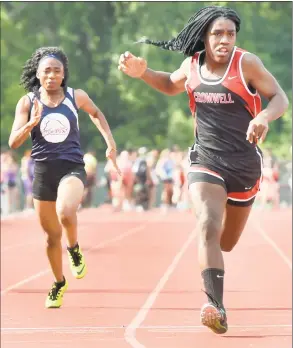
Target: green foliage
[(94, 34), (180, 130)]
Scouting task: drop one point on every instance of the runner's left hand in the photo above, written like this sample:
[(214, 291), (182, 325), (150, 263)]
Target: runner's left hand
[(111, 154), (257, 129)]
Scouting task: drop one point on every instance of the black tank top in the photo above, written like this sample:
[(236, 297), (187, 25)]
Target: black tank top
[(57, 134), (223, 108)]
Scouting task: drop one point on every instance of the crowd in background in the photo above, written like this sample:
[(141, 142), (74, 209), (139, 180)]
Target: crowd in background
[(150, 178)]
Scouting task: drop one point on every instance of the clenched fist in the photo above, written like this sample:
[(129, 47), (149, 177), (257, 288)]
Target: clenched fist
[(36, 113), (258, 129), (131, 65)]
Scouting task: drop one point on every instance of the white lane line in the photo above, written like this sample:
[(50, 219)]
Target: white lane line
[(272, 243), (98, 246), (142, 313), (105, 329), (19, 245)]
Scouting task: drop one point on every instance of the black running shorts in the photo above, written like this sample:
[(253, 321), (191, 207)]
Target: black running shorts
[(239, 175), (48, 175)]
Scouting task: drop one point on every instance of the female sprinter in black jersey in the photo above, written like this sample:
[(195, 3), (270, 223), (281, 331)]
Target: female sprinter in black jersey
[(49, 113)]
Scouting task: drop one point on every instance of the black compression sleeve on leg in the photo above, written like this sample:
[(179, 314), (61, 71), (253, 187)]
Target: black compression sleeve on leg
[(214, 284)]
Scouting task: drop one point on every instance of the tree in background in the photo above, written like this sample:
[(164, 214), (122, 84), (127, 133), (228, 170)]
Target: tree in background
[(93, 34)]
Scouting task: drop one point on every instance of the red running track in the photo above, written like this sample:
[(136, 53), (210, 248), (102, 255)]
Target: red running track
[(143, 287)]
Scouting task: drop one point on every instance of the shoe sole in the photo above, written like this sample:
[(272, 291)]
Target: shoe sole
[(216, 326)]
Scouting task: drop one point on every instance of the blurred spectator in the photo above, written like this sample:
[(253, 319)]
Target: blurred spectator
[(178, 178), (144, 175), (165, 171), (27, 176), (9, 174), (152, 160), (270, 187), (143, 182), (115, 183), (91, 164)]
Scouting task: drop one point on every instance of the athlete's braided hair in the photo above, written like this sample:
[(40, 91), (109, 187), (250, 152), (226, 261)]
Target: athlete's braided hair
[(191, 38), (29, 80)]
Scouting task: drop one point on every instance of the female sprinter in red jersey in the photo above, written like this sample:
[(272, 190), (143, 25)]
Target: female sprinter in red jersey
[(224, 84)]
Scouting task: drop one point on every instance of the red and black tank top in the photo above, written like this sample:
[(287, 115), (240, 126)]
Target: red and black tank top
[(223, 107)]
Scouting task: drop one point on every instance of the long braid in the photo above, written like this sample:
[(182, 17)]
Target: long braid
[(190, 39)]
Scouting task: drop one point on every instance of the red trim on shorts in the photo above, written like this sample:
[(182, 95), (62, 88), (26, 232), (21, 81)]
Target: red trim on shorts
[(247, 195), (205, 170)]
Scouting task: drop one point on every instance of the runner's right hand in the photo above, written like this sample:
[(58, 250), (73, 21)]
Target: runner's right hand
[(131, 65), (36, 113)]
